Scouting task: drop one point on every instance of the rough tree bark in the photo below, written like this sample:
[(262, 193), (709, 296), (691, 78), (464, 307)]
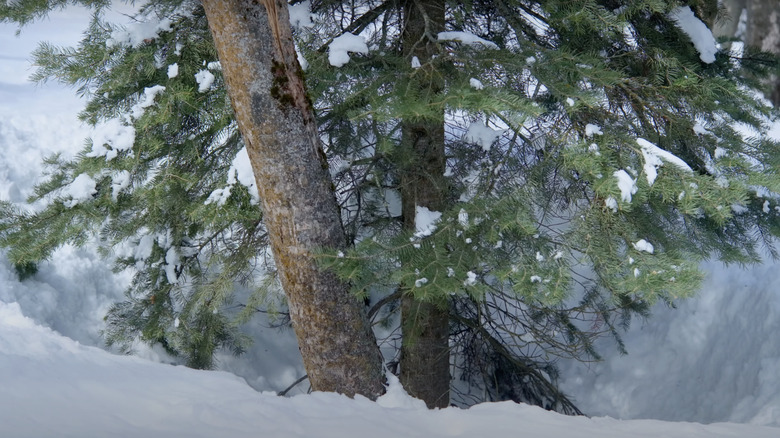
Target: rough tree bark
[(762, 30), (425, 354), (727, 23), (254, 42)]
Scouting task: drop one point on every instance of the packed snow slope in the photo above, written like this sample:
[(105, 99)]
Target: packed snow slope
[(54, 386)]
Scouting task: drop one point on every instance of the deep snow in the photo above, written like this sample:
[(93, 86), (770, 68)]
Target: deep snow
[(53, 386), (715, 358)]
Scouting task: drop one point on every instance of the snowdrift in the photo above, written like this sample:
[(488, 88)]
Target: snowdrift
[(54, 386)]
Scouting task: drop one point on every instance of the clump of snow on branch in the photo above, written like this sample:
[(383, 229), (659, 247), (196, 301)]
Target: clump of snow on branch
[(171, 261), (655, 157), (476, 84), (116, 135), (145, 28), (591, 129), (119, 181), (205, 79), (240, 172), (113, 133), (339, 48), (425, 221), (644, 245), (146, 100), (697, 31), (482, 135), (466, 38), (471, 279), (173, 70), (81, 189), (626, 184), (138, 33), (611, 203)]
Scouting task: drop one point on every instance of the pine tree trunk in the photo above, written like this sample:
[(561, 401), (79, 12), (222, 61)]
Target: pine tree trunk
[(726, 25), (763, 32), (425, 355), (255, 47)]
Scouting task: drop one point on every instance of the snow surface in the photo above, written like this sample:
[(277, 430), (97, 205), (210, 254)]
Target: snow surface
[(54, 386), (715, 358)]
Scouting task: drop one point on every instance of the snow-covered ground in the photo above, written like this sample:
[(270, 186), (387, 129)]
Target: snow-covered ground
[(716, 358), (54, 386)]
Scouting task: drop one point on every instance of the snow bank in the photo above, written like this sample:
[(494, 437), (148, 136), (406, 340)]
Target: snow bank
[(53, 386), (713, 358)]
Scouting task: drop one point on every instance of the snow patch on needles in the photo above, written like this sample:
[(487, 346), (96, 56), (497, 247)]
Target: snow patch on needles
[(425, 221), (644, 245), (466, 38), (471, 279), (119, 181), (114, 134), (476, 84), (138, 33), (591, 129), (240, 172), (482, 135), (626, 184), (145, 28), (339, 48), (171, 261), (81, 189), (697, 31), (655, 157), (173, 70), (205, 79), (146, 101)]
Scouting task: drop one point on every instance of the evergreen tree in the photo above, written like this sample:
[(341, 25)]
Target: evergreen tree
[(592, 161), (591, 154)]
